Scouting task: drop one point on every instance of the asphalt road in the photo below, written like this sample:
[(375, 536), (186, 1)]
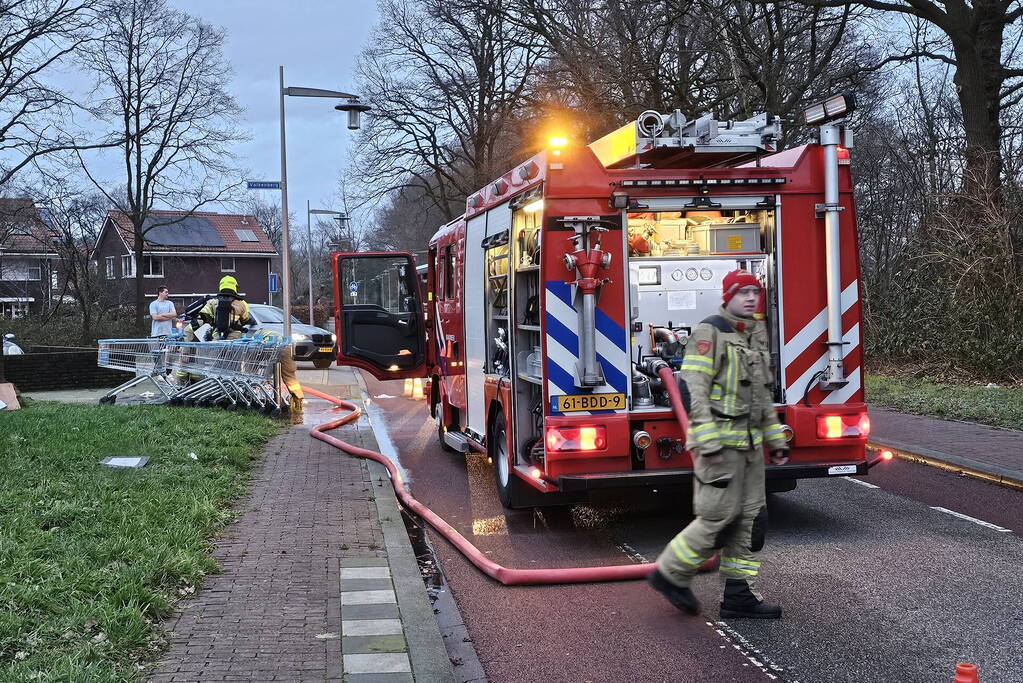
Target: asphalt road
[(876, 583)]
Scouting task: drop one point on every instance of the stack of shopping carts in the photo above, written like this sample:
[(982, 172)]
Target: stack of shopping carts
[(146, 358), (233, 373)]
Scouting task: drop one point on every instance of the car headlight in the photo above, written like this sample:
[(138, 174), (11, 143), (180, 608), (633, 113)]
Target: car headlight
[(333, 337), (299, 337)]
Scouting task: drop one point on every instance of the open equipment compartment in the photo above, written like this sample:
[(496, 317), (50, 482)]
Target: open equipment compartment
[(678, 258)]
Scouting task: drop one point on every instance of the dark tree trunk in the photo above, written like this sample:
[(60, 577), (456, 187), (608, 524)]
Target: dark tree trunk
[(140, 296), (979, 79)]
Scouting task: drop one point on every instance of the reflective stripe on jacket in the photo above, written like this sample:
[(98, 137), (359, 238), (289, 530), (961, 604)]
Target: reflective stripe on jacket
[(727, 367)]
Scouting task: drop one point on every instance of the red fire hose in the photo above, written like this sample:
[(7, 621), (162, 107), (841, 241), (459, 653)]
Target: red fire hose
[(508, 577), (671, 386)]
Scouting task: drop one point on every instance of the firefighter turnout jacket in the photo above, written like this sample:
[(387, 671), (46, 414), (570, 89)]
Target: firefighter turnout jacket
[(727, 369), (227, 314)]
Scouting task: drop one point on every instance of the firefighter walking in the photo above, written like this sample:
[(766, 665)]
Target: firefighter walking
[(728, 373)]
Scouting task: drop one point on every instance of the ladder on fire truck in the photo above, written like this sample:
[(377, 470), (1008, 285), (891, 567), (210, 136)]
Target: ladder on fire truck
[(656, 140)]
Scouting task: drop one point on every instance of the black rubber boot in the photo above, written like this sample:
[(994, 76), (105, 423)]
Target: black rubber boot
[(681, 598), (740, 603)]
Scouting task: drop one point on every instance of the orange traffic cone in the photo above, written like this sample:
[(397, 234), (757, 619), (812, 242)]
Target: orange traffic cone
[(408, 387), (417, 389), (966, 673)]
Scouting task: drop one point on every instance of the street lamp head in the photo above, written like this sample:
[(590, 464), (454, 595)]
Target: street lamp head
[(354, 109)]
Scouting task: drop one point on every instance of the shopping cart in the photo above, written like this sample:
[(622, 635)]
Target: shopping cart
[(234, 373), (147, 358)]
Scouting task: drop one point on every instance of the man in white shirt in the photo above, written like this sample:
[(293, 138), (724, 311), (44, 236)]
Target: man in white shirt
[(163, 313)]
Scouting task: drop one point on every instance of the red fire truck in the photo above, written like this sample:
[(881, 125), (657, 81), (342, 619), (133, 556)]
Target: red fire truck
[(553, 305)]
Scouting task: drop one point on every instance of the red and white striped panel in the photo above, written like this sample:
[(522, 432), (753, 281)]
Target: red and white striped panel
[(805, 353)]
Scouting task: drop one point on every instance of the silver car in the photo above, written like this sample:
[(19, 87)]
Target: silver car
[(311, 343)]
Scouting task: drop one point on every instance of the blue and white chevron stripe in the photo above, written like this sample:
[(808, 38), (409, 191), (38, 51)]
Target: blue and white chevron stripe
[(562, 322)]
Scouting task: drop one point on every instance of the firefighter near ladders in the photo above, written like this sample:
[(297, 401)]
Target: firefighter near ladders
[(219, 316), (727, 372), (225, 315), (222, 316)]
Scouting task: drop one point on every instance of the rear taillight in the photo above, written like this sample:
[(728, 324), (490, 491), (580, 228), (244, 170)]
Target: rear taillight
[(576, 438), (843, 426)]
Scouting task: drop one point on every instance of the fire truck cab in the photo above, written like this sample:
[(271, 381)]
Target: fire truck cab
[(548, 303)]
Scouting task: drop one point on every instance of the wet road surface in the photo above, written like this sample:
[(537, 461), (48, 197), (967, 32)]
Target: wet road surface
[(879, 582)]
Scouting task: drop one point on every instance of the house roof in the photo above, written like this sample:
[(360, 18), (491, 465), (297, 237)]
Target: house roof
[(22, 229), (200, 231)]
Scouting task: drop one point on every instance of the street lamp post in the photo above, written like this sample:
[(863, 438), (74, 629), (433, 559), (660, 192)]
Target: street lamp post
[(309, 228), (350, 104)]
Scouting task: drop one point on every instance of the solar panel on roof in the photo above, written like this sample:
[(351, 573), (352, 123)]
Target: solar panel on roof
[(246, 235), (193, 231)]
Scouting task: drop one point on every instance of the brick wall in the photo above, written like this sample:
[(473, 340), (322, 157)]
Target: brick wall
[(50, 368)]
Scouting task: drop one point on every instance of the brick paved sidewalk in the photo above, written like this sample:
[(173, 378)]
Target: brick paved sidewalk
[(318, 540), (990, 450)]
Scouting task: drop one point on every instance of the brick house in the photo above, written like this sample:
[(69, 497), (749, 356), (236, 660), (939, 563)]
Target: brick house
[(28, 259), (187, 253)]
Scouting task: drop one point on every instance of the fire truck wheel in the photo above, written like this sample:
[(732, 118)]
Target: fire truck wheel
[(440, 435), (322, 363), (510, 489)]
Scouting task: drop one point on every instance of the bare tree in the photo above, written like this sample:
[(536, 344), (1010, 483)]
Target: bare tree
[(162, 80), (268, 215), (612, 60), (447, 79), (783, 55), (37, 37), (980, 39), (75, 217)]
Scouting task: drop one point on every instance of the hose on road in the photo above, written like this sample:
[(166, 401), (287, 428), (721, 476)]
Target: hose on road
[(504, 575)]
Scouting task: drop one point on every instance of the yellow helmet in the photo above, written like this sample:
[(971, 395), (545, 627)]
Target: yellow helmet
[(228, 282)]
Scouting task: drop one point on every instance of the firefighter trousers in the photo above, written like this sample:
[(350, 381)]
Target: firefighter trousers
[(729, 504), (289, 374)]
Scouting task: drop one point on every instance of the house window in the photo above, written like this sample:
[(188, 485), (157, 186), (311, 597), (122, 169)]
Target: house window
[(227, 264), (35, 273), (110, 267), (127, 266), (154, 266), (14, 309)]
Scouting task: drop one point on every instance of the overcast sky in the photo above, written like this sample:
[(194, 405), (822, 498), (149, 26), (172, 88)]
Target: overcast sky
[(317, 42)]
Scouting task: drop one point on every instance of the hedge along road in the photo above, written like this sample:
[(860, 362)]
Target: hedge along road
[(877, 584)]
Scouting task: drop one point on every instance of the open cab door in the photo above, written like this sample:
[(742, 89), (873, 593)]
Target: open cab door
[(378, 314)]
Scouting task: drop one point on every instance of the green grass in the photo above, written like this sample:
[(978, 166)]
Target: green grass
[(1001, 407), (91, 558)]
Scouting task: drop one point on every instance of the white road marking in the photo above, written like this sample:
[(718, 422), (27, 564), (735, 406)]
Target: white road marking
[(861, 483), (772, 670), (756, 657), (633, 554), (981, 522)]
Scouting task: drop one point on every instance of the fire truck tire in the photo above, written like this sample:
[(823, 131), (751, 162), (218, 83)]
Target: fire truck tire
[(510, 489), (780, 485), (440, 435), (322, 363)]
